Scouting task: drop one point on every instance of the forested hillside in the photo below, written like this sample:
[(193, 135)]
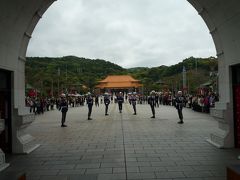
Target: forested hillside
[(198, 71), (44, 73)]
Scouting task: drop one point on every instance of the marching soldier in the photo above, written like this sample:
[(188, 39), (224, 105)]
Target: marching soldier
[(63, 107), (90, 105), (120, 100), (179, 103), (152, 102), (157, 99), (134, 102), (106, 102), (97, 101)]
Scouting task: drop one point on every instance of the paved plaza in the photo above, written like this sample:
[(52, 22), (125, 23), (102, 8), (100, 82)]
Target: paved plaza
[(123, 146)]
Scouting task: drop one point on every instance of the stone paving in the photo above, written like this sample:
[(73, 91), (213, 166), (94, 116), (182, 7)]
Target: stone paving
[(123, 146)]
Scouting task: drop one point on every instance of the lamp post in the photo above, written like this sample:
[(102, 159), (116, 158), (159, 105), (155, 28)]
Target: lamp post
[(58, 78), (184, 79)]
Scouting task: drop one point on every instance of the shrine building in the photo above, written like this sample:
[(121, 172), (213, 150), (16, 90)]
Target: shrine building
[(119, 83)]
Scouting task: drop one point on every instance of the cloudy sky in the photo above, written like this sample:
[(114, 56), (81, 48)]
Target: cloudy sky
[(130, 33)]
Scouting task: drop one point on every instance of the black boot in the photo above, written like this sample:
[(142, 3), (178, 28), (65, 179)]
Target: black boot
[(180, 122)]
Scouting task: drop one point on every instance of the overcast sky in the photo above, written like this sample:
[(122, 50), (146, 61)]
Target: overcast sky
[(130, 33)]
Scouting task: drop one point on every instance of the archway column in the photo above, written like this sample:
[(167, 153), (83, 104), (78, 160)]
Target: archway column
[(222, 18), (18, 20), (3, 163)]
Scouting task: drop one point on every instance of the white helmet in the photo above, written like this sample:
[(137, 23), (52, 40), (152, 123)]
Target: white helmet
[(179, 92), (152, 92)]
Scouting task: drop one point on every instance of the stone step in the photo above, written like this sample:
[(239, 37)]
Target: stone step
[(217, 138), (28, 143), (3, 165)]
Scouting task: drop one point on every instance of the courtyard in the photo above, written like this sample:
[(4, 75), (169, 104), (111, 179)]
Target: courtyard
[(124, 146)]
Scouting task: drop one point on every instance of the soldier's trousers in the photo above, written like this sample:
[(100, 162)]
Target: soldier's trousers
[(134, 108), (120, 106), (180, 114), (89, 110), (64, 117), (106, 108), (153, 109)]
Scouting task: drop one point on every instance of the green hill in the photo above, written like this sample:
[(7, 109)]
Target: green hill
[(170, 77), (45, 72)]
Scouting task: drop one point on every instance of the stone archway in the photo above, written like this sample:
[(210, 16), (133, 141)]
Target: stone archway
[(18, 19)]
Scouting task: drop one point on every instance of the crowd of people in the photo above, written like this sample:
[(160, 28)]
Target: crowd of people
[(201, 103)]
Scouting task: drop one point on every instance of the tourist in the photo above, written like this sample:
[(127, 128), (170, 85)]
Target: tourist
[(120, 101), (179, 103), (90, 105), (63, 107), (152, 102), (106, 102)]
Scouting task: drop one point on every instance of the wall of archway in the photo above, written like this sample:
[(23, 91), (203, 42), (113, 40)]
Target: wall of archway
[(18, 19), (222, 18)]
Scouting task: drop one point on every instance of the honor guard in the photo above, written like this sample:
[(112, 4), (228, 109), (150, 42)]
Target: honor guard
[(134, 102), (106, 102), (120, 100), (90, 105), (97, 101), (179, 103), (63, 107), (157, 99), (152, 102)]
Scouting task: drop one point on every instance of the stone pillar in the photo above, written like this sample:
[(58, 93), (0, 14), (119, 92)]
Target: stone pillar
[(3, 164), (224, 136), (223, 111), (21, 140)]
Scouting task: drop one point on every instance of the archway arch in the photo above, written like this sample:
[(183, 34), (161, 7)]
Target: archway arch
[(19, 18)]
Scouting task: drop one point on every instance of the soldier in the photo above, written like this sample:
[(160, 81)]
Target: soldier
[(90, 105), (63, 107), (179, 103), (157, 99), (120, 101), (152, 102), (106, 102), (97, 101), (134, 102)]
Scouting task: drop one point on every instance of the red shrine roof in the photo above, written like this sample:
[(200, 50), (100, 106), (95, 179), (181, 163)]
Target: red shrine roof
[(119, 81)]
